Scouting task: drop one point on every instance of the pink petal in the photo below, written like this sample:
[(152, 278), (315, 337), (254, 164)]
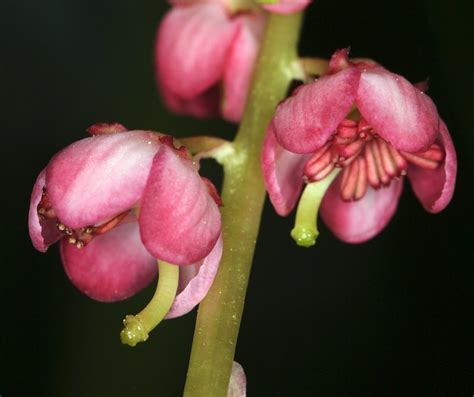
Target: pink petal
[(43, 232), (434, 188), (203, 105), (359, 221), (194, 282), (179, 221), (238, 381), (282, 173), (112, 267), (191, 47), (99, 177), (397, 111), (287, 6), (240, 64), (305, 121)]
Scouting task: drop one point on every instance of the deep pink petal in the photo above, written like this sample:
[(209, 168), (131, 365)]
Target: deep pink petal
[(282, 173), (237, 382), (359, 221), (194, 282), (191, 47), (305, 121), (179, 221), (397, 111), (434, 188), (43, 232), (287, 6), (112, 267), (99, 177), (240, 64), (203, 105)]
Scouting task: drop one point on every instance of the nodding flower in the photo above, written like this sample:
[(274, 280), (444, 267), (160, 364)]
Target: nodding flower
[(352, 136), (120, 200), (204, 54)]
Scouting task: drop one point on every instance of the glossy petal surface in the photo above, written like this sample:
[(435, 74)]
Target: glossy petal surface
[(112, 267), (435, 188), (191, 47), (194, 282), (282, 172), (398, 112), (359, 221), (240, 64), (287, 6), (179, 221), (99, 177), (43, 233), (304, 122)]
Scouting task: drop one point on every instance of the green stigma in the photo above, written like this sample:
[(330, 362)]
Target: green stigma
[(136, 328)]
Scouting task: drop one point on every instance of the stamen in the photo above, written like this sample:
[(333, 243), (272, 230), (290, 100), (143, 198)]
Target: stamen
[(401, 163), (384, 178), (372, 175), (428, 159), (350, 183), (347, 129), (352, 149), (44, 208), (320, 160), (388, 162), (365, 159), (136, 328), (305, 231), (362, 183), (105, 227)]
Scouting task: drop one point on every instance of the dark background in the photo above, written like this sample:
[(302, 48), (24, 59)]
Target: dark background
[(389, 317)]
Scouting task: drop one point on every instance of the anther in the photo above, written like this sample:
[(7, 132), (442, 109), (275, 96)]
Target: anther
[(80, 244), (61, 227), (72, 240)]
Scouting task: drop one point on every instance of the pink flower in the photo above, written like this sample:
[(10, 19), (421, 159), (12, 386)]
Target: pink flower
[(204, 57), (119, 200), (375, 127), (286, 6)]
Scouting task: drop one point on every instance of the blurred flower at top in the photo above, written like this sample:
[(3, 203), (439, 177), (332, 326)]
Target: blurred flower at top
[(368, 126), (205, 53), (118, 201)]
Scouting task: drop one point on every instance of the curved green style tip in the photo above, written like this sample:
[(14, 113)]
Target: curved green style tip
[(304, 236), (133, 331)]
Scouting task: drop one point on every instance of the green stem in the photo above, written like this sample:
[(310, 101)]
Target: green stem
[(136, 328), (243, 194)]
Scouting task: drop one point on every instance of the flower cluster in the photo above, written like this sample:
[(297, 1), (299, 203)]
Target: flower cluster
[(118, 201), (368, 126)]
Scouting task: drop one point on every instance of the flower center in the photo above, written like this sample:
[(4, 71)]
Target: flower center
[(366, 159), (82, 236)]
